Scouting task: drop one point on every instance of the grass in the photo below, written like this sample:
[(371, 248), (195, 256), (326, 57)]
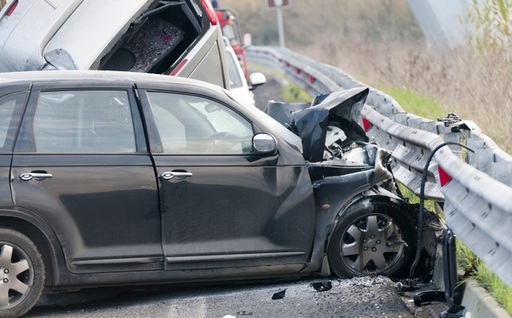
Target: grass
[(293, 94), (416, 103)]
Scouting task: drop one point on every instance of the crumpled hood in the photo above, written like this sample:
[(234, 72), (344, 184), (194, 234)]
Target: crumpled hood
[(311, 121)]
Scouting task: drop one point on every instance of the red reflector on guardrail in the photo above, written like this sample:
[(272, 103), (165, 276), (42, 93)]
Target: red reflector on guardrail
[(367, 125), (444, 178)]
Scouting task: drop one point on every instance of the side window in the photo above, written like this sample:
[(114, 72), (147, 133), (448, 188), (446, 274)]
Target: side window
[(83, 122), (8, 105), (195, 125)]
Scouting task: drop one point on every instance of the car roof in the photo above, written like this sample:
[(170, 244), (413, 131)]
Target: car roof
[(102, 77)]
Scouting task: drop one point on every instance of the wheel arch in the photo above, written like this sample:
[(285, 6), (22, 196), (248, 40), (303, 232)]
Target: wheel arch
[(375, 195), (42, 236)]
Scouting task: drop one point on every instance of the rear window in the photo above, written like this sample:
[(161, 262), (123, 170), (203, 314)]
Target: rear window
[(8, 124), (83, 122)]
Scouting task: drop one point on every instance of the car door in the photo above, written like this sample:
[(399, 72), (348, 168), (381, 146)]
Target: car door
[(223, 205), (81, 164)]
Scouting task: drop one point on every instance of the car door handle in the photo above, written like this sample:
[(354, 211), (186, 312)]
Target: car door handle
[(176, 175), (26, 176)]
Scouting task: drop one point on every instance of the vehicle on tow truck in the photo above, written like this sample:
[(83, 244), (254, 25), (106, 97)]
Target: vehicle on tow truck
[(176, 37)]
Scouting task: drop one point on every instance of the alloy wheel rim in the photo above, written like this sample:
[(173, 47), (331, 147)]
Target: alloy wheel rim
[(16, 276), (372, 245)]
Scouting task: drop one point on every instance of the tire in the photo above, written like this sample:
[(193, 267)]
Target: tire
[(22, 273), (374, 236)]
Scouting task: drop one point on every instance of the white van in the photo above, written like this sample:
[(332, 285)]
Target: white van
[(177, 37)]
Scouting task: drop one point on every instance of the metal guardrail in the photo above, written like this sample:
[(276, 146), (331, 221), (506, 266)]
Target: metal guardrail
[(474, 188)]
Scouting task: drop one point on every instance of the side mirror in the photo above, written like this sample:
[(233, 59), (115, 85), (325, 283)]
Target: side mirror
[(257, 79), (264, 143)]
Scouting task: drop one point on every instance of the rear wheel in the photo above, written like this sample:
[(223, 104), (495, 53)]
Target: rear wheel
[(372, 237), (21, 273)]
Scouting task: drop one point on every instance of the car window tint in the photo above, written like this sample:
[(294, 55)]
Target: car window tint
[(84, 122), (7, 107), (195, 125)]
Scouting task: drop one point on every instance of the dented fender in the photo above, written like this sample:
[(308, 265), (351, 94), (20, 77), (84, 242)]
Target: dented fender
[(332, 194)]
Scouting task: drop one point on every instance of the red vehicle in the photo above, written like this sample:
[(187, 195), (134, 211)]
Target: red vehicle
[(231, 30)]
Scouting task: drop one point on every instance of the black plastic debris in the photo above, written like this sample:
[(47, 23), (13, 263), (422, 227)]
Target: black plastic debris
[(321, 286), (279, 294)]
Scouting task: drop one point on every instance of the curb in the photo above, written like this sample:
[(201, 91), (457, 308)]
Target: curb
[(479, 303)]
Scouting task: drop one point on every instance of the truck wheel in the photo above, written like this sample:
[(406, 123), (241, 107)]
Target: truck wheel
[(372, 237), (22, 273)]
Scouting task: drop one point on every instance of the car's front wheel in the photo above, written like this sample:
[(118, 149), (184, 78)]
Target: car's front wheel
[(372, 237), (21, 273)]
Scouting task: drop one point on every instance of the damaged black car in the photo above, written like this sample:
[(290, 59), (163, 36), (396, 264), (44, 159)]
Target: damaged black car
[(123, 178)]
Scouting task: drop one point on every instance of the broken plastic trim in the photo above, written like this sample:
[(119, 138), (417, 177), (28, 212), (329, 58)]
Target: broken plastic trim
[(60, 59)]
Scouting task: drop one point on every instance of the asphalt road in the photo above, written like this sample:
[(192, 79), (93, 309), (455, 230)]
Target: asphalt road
[(358, 297)]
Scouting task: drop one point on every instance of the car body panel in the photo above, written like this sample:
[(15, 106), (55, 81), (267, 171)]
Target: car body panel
[(249, 205), (207, 68), (248, 212)]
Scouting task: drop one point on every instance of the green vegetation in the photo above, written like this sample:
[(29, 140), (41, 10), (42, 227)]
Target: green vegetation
[(294, 94), (416, 103)]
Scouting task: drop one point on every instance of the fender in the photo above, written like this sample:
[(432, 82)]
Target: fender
[(375, 194), (335, 195), (331, 195)]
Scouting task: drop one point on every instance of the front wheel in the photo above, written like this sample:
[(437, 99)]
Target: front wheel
[(372, 237), (21, 273)]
